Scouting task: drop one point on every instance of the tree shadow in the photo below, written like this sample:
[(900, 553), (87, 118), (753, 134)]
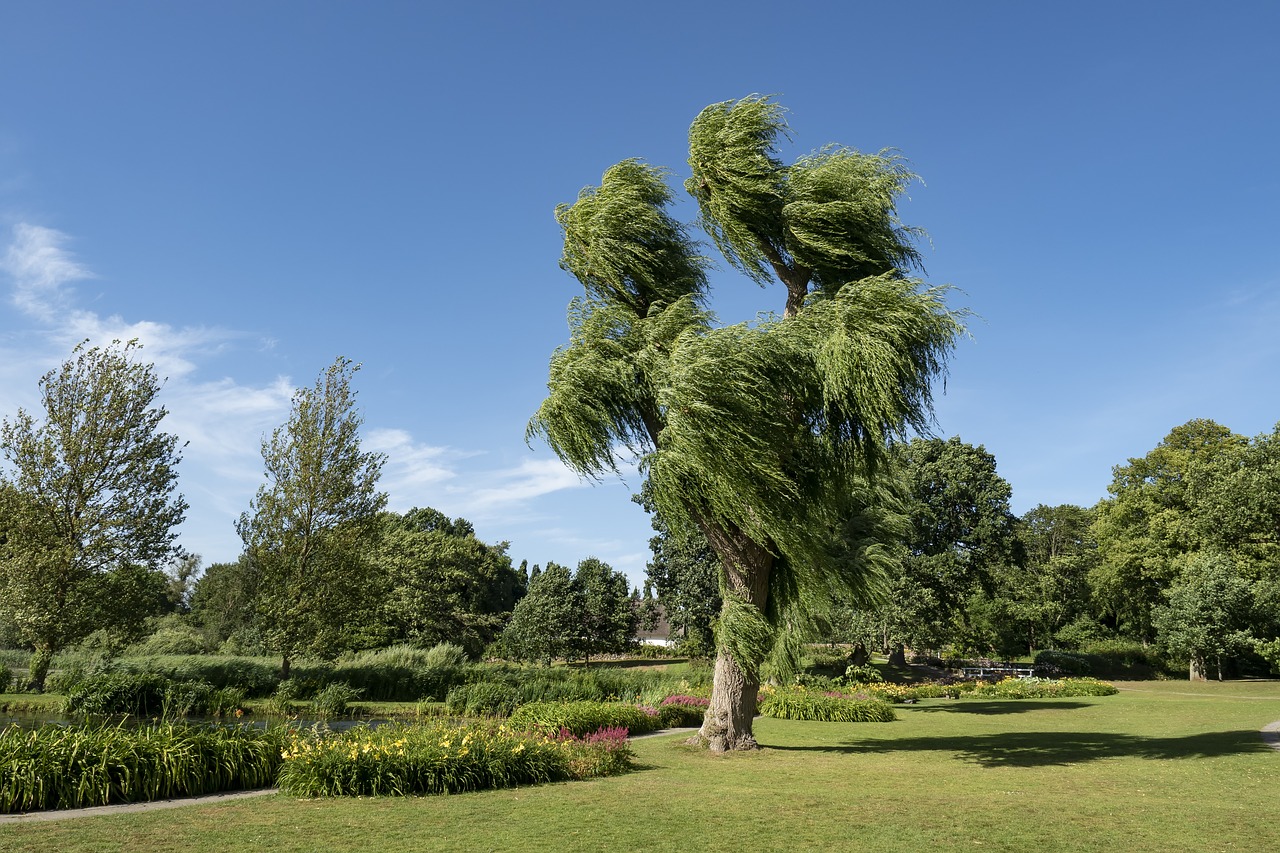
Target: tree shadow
[(1044, 749), (1004, 706)]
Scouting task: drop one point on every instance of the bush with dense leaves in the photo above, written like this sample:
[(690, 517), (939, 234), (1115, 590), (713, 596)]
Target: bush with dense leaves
[(582, 718), (150, 695), (1043, 688), (800, 704)]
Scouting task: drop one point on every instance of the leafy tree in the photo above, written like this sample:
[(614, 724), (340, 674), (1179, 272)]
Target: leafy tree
[(686, 572), (223, 601), (545, 623), (1234, 496), (961, 534), (310, 526), (1208, 614), (607, 621), (1148, 523), (1034, 602), (767, 436), (90, 504), (442, 583)]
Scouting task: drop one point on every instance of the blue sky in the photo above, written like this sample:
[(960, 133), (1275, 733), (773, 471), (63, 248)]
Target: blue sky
[(253, 189)]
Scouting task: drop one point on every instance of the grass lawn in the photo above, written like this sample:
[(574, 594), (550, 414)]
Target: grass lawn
[(1163, 766)]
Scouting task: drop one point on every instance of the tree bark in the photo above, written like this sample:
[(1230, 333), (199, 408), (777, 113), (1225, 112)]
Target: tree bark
[(898, 657), (736, 684), (1196, 668)]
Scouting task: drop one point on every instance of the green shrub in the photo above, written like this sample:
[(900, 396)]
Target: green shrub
[(863, 675), (583, 718), (404, 673), (65, 767), (257, 677), (676, 716), (172, 638), (485, 699), (1072, 664), (439, 758), (822, 707), (150, 695), (332, 700), (6, 677), (1124, 657)]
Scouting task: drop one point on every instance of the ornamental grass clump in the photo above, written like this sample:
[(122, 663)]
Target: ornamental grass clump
[(439, 758), (66, 767), (802, 704)]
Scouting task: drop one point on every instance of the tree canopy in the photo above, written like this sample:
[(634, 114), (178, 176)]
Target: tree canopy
[(90, 502), (310, 526), (768, 436)]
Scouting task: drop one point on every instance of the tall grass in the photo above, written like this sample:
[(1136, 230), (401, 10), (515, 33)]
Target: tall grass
[(62, 767)]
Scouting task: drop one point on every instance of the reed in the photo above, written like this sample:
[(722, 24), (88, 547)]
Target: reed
[(62, 767)]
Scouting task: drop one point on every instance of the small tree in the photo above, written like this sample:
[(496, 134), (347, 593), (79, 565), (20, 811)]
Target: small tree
[(309, 527), (546, 622), (90, 504), (607, 624)]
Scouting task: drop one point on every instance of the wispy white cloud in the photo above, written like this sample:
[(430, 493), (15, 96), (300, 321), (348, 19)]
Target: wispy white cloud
[(41, 270)]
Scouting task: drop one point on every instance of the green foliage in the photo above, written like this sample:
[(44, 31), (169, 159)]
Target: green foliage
[(222, 601), (6, 678), (1148, 523), (962, 536), (332, 699), (66, 767), (863, 675), (482, 699), (580, 615), (437, 758), (818, 707), (769, 437), (583, 717), (1043, 688), (1209, 614), (89, 506), (257, 677), (441, 583), (150, 695), (171, 635), (404, 673), (686, 572), (1071, 664), (309, 527)]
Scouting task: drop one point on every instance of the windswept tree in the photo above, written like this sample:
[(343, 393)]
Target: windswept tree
[(89, 506), (309, 529), (771, 436)]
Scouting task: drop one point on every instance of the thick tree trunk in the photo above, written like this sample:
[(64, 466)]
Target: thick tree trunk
[(898, 657), (1196, 668), (284, 667), (736, 685)]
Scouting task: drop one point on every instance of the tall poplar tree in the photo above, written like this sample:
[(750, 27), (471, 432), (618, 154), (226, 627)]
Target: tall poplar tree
[(310, 527), (89, 505), (770, 436)]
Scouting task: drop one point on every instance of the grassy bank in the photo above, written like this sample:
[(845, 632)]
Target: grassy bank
[(1163, 765)]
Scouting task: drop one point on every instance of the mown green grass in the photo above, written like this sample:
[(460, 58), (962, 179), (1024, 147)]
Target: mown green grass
[(1162, 766)]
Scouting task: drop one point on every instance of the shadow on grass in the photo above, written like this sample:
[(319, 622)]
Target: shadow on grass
[(1042, 749), (1005, 706)]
